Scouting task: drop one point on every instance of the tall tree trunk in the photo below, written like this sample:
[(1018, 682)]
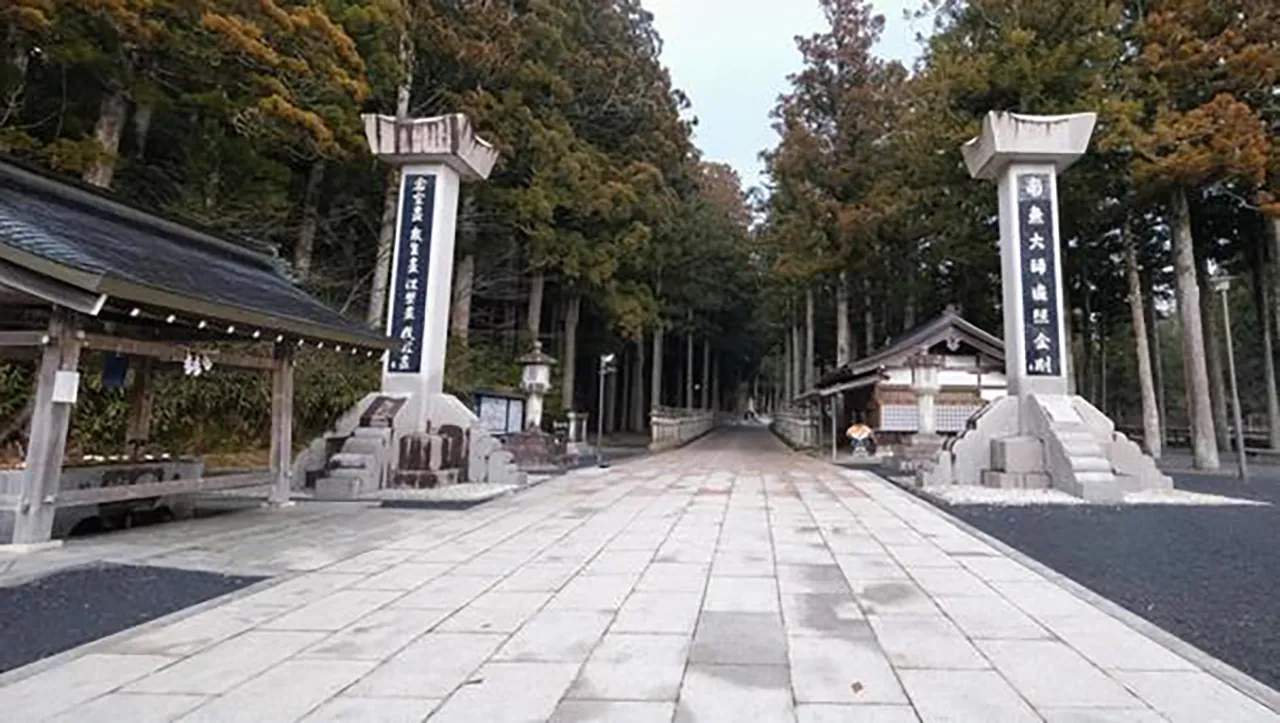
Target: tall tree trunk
[(533, 318), (1157, 356), (809, 360), (788, 391), (868, 319), (624, 390), (1199, 405), (302, 253), (20, 60), (655, 374), (143, 113), (609, 407), (1213, 354), (464, 280), (391, 199), (843, 355), (797, 358), (638, 415), (705, 401), (570, 361), (1087, 349), (1146, 382), (464, 273), (107, 132), (715, 383), (1274, 298), (1262, 307), (689, 374), (386, 242)]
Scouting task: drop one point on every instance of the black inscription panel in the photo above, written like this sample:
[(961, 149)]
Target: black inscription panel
[(408, 301), (1039, 275)]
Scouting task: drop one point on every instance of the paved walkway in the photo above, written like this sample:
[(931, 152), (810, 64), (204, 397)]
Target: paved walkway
[(730, 581)]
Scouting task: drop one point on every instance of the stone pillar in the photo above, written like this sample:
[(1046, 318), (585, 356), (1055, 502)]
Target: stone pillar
[(435, 155), (1041, 433)]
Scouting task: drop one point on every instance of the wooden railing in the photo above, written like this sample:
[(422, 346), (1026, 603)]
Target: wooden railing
[(122, 493)]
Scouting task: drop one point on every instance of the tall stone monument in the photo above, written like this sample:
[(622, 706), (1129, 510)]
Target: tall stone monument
[(1039, 435), (412, 434)]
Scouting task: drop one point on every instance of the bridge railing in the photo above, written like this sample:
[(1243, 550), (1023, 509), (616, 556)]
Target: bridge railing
[(673, 427), (799, 428)]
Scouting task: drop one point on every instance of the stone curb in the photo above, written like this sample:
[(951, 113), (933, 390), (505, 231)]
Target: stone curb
[(1238, 679)]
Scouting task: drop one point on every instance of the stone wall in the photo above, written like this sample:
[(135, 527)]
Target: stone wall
[(672, 428)]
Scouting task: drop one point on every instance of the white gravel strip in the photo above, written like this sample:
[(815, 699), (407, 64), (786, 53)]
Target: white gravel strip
[(973, 495)]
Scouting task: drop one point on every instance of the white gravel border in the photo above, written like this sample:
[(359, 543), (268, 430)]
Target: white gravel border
[(974, 495)]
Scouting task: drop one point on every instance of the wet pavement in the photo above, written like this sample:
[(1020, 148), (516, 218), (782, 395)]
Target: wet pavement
[(728, 581)]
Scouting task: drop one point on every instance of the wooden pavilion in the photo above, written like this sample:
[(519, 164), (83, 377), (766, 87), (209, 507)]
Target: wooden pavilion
[(878, 391), (82, 272)]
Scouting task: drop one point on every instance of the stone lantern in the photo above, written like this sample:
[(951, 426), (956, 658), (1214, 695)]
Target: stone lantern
[(536, 382), (925, 382)]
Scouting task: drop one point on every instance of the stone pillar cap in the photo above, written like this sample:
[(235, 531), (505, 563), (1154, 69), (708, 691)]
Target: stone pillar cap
[(1009, 137), (446, 139)]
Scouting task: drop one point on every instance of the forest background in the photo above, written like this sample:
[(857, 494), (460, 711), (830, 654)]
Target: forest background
[(603, 230)]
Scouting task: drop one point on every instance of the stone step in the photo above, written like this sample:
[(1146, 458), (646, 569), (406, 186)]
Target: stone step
[(337, 488), (426, 479), (350, 460)]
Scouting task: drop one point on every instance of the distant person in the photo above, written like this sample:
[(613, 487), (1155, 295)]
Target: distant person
[(861, 439)]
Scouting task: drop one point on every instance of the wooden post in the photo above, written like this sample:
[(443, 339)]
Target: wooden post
[(282, 424), (32, 520), (141, 403)]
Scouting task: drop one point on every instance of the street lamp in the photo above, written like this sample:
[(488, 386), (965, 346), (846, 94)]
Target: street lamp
[(606, 368), (1222, 285)]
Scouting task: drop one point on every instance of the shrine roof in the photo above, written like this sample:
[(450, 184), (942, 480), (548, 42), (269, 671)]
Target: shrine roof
[(61, 240), (949, 330)]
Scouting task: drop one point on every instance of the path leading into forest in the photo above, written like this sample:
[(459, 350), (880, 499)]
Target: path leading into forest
[(729, 581)]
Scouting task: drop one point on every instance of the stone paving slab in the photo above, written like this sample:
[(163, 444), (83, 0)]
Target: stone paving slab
[(730, 581)]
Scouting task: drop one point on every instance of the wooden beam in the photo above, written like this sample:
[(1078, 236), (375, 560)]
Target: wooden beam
[(49, 289), (282, 424), (22, 338), (172, 353), (195, 485), (33, 518)]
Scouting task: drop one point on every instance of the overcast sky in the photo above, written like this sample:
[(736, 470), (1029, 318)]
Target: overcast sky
[(732, 58)]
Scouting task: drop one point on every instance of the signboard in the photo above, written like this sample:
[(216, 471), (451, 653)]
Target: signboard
[(408, 301), (500, 414), (1039, 258)]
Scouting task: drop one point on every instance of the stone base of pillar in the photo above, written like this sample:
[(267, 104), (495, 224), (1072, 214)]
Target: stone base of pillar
[(372, 448), (1039, 440)]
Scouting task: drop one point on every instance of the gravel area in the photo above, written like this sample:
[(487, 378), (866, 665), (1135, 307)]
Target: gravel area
[(1208, 574), (73, 607), (971, 495)]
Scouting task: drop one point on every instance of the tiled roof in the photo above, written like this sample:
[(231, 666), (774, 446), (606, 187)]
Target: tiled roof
[(129, 254)]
